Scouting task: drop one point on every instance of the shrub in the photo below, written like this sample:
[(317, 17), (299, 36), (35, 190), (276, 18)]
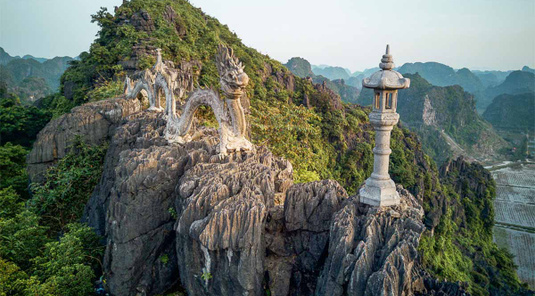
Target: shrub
[(69, 184), (13, 168)]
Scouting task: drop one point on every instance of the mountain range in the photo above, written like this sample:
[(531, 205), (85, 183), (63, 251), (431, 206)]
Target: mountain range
[(446, 120), (31, 78), (302, 68), (483, 85)]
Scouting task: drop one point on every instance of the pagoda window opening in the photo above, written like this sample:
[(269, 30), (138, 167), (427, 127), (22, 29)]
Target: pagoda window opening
[(377, 101), (388, 104)]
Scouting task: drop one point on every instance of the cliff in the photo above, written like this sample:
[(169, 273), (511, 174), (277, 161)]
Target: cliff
[(233, 225)]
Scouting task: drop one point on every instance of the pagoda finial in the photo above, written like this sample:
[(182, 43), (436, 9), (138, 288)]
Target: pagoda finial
[(387, 62)]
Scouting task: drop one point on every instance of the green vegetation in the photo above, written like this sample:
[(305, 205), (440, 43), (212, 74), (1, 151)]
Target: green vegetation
[(43, 249), (19, 124), (13, 168), (62, 267), (329, 140), (462, 248), (512, 112), (294, 133), (206, 276), (164, 259), (62, 198), (33, 261), (300, 67)]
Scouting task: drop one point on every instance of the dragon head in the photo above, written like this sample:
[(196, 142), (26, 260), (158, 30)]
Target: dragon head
[(232, 78)]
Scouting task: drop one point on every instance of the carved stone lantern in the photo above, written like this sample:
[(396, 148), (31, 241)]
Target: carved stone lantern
[(380, 189)]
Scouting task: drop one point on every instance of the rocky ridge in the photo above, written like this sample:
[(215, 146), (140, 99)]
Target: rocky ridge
[(229, 225)]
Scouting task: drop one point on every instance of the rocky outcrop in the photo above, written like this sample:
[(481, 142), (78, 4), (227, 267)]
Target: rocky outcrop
[(142, 21), (172, 17), (285, 78), (428, 113), (372, 250), (297, 236), (93, 122), (230, 225)]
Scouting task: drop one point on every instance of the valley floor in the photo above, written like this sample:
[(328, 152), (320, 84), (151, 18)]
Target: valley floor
[(515, 214)]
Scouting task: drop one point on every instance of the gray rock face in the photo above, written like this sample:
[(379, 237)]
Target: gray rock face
[(223, 206), (92, 121), (229, 225), (372, 251)]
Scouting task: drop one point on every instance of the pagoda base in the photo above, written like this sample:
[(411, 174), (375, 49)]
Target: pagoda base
[(379, 193)]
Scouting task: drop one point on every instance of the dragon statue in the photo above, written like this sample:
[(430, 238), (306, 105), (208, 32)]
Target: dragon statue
[(228, 112)]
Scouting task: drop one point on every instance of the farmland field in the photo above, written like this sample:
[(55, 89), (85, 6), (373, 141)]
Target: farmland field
[(522, 243), (515, 215)]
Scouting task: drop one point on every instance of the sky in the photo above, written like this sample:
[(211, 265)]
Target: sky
[(477, 34)]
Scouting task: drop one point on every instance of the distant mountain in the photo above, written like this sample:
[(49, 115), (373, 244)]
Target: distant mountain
[(29, 77), (5, 57), (367, 72), (512, 112), (302, 68), (323, 66), (299, 67), (443, 75), (356, 78), (30, 57), (491, 78), (355, 81), (332, 72), (528, 69), (517, 82), (347, 93), (445, 119)]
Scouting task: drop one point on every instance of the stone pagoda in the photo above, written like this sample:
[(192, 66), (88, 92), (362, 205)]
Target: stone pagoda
[(380, 189)]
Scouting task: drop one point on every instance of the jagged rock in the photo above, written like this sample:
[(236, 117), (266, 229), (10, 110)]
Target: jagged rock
[(310, 206), (428, 113), (326, 98), (172, 17), (372, 251), (92, 121), (142, 21), (222, 221), (285, 78), (429, 286), (229, 225)]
